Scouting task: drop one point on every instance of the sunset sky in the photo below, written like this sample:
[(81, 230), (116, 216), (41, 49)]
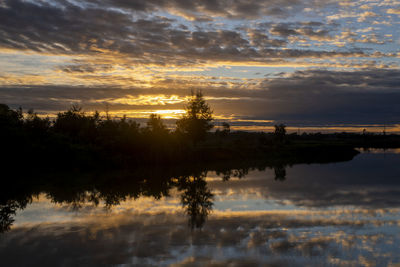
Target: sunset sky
[(317, 63)]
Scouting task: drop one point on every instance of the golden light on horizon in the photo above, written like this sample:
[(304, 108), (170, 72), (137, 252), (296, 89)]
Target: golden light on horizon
[(150, 100), (144, 114)]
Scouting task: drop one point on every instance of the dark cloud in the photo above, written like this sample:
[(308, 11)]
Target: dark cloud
[(313, 96), (310, 29), (368, 96), (261, 40), (85, 68), (92, 30), (48, 28), (233, 9)]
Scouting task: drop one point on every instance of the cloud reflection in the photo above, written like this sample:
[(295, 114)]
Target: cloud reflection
[(337, 214), (163, 239)]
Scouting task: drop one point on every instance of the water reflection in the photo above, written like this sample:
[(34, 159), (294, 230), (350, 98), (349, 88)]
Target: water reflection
[(280, 173), (368, 181), (255, 213), (8, 210), (111, 189), (196, 198), (77, 190)]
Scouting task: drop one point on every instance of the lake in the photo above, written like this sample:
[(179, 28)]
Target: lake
[(334, 214)]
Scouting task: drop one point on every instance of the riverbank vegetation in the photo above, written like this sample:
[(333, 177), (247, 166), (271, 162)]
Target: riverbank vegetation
[(75, 139)]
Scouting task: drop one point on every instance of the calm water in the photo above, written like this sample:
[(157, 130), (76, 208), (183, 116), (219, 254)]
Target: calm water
[(336, 214)]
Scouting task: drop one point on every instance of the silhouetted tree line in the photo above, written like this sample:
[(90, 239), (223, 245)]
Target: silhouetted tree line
[(75, 139)]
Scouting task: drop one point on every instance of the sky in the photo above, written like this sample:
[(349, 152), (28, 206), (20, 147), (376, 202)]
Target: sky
[(315, 63)]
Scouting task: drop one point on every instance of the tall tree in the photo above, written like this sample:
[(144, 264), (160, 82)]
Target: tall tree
[(280, 132), (198, 118), (155, 125)]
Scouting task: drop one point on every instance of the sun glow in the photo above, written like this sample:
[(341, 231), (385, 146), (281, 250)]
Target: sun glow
[(141, 114), (151, 100)]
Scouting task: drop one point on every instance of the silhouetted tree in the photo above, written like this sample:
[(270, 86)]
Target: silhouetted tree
[(156, 126), (9, 117), (76, 124), (36, 124), (12, 135), (280, 132), (226, 128), (197, 121)]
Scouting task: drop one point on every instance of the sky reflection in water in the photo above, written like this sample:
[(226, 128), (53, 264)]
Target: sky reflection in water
[(339, 214)]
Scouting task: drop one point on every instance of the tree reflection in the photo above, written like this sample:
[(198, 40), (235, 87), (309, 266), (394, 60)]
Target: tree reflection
[(280, 173), (8, 211), (77, 189), (196, 198)]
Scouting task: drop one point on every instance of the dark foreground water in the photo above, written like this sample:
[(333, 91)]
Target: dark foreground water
[(336, 214)]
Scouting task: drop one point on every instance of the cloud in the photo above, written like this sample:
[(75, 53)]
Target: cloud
[(312, 96), (233, 9), (367, 14), (336, 95), (312, 30), (48, 28), (171, 47), (165, 239), (130, 40), (393, 11), (370, 38), (326, 96)]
